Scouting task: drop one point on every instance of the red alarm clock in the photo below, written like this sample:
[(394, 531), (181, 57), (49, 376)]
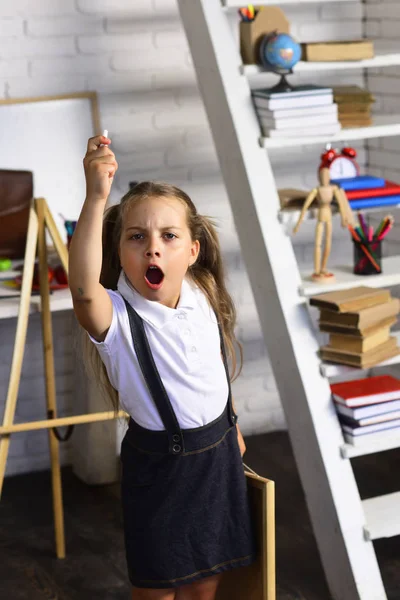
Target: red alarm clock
[(341, 165)]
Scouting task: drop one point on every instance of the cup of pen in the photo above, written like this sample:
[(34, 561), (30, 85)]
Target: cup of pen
[(368, 245), (367, 257)]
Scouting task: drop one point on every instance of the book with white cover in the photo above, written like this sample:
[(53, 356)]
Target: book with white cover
[(284, 103), (325, 120), (303, 111), (371, 410), (303, 131)]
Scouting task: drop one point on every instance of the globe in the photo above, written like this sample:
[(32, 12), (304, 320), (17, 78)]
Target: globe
[(280, 52)]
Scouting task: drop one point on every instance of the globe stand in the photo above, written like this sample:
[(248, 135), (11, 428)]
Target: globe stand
[(283, 85)]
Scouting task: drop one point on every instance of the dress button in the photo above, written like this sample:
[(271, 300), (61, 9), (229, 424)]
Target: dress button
[(193, 349), (176, 438), (187, 332), (176, 448), (181, 316)]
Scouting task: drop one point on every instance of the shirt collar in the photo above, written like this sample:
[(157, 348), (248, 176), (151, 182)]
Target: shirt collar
[(153, 312)]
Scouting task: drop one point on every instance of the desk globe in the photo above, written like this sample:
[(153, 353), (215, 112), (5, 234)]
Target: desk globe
[(279, 53)]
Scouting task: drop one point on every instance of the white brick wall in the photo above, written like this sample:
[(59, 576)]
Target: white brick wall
[(135, 55), (383, 23)]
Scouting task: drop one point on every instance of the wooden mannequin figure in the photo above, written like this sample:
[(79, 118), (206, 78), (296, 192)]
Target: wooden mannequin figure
[(325, 193)]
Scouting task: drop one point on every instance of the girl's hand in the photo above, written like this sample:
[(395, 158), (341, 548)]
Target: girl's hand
[(242, 445), (100, 167)]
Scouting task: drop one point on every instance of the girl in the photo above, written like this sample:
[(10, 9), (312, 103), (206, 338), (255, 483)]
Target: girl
[(153, 300)]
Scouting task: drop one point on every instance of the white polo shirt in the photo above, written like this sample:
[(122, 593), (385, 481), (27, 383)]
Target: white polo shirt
[(186, 348)]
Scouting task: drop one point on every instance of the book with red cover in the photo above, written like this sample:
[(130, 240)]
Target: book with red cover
[(390, 188), (370, 390)]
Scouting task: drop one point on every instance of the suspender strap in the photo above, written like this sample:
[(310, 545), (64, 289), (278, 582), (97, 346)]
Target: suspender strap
[(153, 381)]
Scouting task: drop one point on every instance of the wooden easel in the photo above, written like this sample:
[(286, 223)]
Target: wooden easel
[(40, 220)]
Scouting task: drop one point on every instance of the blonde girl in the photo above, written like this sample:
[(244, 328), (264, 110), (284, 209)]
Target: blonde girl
[(147, 283)]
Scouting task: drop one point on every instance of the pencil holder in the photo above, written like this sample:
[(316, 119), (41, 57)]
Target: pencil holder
[(368, 257)]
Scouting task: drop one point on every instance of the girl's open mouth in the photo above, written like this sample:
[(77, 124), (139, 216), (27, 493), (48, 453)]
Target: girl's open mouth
[(154, 277)]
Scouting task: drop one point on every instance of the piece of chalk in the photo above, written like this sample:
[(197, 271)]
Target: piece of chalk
[(105, 134)]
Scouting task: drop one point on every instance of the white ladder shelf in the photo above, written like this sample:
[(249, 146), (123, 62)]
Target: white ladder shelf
[(343, 524)]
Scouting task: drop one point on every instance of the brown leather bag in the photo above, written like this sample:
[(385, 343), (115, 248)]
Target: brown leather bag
[(16, 193)]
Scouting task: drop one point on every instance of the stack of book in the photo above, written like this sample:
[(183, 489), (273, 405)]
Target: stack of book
[(358, 321), (368, 409), (366, 191), (305, 110), (354, 105)]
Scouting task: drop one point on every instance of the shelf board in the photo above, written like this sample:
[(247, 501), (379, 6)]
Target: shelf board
[(385, 56), (345, 278), (237, 4), (59, 300), (331, 370), (386, 442), (383, 126), (289, 218), (382, 516)]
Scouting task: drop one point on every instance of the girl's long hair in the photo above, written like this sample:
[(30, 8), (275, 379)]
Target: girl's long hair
[(207, 272)]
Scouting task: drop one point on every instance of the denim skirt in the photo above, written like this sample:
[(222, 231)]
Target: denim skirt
[(186, 516)]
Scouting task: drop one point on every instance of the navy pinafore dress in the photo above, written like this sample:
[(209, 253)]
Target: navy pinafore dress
[(184, 493)]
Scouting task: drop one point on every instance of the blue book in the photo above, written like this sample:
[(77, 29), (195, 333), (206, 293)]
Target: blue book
[(361, 182), (376, 201)]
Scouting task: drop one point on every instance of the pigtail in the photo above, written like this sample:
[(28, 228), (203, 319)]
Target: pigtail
[(208, 273), (111, 266)]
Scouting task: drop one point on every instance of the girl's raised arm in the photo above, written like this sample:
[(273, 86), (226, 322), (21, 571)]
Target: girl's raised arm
[(92, 304)]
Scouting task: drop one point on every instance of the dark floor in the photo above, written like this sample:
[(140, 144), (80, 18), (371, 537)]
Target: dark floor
[(95, 566)]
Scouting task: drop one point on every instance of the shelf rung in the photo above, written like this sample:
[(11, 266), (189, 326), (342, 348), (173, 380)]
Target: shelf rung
[(386, 442), (382, 515), (238, 4), (345, 278)]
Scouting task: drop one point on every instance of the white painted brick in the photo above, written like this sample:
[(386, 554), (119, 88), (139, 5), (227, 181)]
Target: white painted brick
[(390, 29), (30, 47), (145, 139), (184, 117), (151, 59), (328, 30), (14, 68), (43, 7), (339, 11), (136, 8), (111, 82), (381, 85), (179, 156), (47, 86), (171, 39), (384, 10), (64, 26), (300, 13), (92, 44), (373, 29), (141, 161), (166, 7), (75, 65), (170, 77), (11, 26)]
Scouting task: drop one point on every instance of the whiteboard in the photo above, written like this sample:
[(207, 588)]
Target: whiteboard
[(48, 136)]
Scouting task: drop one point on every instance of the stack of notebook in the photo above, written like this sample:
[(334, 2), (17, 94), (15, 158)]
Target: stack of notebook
[(354, 105), (368, 409), (366, 191), (303, 111), (358, 321)]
